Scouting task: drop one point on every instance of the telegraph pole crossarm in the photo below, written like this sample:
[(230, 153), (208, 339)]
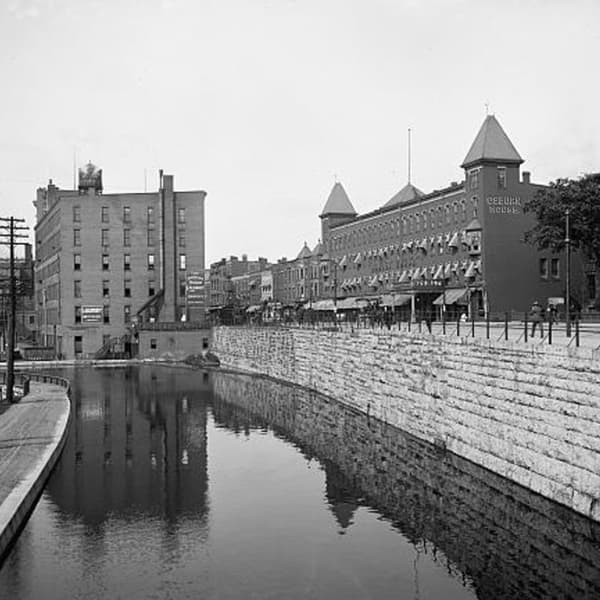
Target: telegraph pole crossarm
[(10, 231)]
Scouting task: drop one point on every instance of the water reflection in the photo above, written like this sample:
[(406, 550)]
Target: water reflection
[(173, 485), (507, 541)]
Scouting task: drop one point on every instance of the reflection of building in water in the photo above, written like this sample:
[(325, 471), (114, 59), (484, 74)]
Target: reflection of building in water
[(509, 542), (136, 447)]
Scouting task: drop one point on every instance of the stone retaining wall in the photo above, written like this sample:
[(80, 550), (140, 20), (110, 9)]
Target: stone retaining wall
[(530, 414)]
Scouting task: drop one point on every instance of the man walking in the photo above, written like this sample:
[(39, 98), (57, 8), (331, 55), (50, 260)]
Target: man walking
[(536, 319)]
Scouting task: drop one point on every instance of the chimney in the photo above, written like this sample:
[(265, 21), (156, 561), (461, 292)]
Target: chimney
[(526, 176)]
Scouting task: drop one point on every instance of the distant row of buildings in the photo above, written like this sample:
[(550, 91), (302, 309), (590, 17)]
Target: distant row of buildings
[(460, 248), (107, 267)]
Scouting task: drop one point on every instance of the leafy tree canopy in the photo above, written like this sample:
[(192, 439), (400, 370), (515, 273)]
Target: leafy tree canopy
[(582, 198)]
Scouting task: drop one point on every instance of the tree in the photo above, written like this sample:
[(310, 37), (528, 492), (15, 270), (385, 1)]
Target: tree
[(582, 198)]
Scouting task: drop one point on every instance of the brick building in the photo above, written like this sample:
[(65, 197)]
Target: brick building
[(104, 261), (460, 247)]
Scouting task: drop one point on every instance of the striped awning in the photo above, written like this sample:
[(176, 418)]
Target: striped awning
[(395, 299), (455, 296)]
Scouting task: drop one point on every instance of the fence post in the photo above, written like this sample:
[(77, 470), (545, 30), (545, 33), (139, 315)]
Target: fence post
[(526, 325), (487, 325), (577, 332), (458, 326), (444, 319), (506, 326), (550, 332), (472, 323)]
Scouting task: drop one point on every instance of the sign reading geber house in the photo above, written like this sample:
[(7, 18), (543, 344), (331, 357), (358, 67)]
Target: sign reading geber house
[(506, 205)]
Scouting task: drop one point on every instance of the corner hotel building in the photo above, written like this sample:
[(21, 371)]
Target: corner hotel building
[(462, 245), (104, 261)]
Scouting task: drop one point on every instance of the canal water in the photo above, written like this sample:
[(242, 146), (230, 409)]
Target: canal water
[(176, 483)]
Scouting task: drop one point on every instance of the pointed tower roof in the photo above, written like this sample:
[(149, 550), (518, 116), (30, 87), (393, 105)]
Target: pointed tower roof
[(491, 144), (338, 202), (318, 249), (406, 194), (305, 252)]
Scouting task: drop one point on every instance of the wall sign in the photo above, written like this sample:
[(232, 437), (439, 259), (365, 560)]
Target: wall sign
[(505, 205)]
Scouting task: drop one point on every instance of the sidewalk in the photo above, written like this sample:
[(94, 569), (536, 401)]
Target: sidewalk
[(32, 435)]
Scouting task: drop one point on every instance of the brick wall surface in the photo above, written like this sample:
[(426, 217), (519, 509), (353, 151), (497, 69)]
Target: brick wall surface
[(503, 540), (526, 413)]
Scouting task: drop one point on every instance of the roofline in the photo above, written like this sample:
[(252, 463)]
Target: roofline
[(416, 201), (492, 161)]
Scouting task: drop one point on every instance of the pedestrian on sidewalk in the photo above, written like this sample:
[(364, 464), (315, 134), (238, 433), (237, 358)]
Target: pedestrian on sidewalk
[(536, 318)]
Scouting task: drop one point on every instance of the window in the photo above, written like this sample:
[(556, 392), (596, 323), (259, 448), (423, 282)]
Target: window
[(447, 211), (105, 289), (501, 178), (555, 268), (126, 313), (150, 215), (475, 205), (76, 237), (78, 314), (105, 237), (78, 344), (127, 262), (544, 268), (463, 210), (126, 214), (591, 285), (105, 214), (150, 262), (151, 288), (106, 313), (77, 214), (126, 237), (181, 215), (182, 239), (150, 237), (77, 262), (105, 262), (77, 288), (127, 288), (474, 179), (153, 343), (182, 262), (182, 288)]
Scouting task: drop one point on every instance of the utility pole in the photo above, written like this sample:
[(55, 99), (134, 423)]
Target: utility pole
[(568, 273), (11, 230)]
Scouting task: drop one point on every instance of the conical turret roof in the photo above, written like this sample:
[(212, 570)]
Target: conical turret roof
[(305, 252), (338, 202), (491, 144), (406, 194), (318, 249)]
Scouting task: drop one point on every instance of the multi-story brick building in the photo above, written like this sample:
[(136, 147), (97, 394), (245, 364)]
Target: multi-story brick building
[(230, 281), (104, 261), (462, 245)]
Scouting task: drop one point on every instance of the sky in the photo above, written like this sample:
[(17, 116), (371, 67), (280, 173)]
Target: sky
[(264, 104)]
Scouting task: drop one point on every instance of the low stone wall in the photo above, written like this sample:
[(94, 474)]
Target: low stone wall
[(528, 413)]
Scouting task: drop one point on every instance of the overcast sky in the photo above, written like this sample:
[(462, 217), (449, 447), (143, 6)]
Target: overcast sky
[(262, 103)]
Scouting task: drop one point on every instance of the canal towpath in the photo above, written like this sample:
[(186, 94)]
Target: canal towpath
[(32, 434)]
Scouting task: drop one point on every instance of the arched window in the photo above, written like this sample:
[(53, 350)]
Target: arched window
[(475, 202), (417, 222), (432, 218), (447, 211), (463, 210), (440, 216), (455, 209), (424, 220)]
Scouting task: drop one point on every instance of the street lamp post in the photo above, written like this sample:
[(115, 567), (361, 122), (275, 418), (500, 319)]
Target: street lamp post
[(568, 273)]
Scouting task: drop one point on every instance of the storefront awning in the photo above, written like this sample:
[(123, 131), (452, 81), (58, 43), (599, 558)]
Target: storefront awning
[(323, 304), (253, 308), (455, 296), (395, 299), (351, 304)]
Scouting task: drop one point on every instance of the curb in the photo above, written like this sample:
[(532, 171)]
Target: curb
[(17, 506)]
